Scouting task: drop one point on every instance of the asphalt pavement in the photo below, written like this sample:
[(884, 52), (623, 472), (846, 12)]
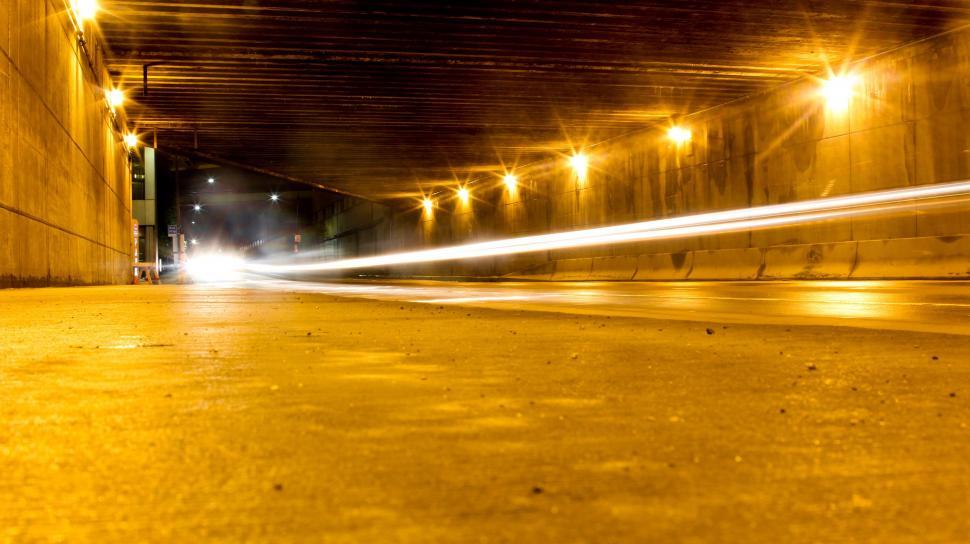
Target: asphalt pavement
[(422, 412), (929, 306)]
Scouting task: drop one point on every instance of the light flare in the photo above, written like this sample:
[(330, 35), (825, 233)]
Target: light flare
[(116, 98), (511, 181), (580, 165), (85, 10), (215, 268), (692, 225), (463, 195), (679, 135), (838, 91)]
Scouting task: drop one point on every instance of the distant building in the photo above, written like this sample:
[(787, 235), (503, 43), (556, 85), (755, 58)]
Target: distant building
[(143, 207)]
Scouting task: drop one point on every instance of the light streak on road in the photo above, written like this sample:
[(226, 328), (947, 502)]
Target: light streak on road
[(466, 300), (760, 217), (925, 306)]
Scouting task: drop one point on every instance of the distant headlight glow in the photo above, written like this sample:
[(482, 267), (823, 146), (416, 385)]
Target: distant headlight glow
[(214, 267)]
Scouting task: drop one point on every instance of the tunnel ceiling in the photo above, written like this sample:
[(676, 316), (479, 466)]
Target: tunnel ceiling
[(380, 98)]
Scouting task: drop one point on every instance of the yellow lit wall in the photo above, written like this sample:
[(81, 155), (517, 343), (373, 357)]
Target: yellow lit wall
[(65, 201)]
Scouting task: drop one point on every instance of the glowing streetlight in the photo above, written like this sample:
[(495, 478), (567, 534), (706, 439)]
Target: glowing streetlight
[(511, 181), (838, 91), (428, 205), (580, 164), (274, 197), (197, 207), (211, 180), (678, 135), (463, 195), (195, 242), (116, 98), (131, 140), (86, 10)]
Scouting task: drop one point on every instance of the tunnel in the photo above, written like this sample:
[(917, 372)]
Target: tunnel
[(508, 271)]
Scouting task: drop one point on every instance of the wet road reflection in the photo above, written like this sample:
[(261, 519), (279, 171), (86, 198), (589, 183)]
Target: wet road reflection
[(940, 306)]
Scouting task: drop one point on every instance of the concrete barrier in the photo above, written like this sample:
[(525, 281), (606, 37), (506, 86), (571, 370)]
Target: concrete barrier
[(541, 272), (483, 267), (727, 264), (621, 268), (664, 266), (924, 257), (809, 261), (573, 269)]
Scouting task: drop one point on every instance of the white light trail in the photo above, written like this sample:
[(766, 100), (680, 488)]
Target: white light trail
[(773, 215)]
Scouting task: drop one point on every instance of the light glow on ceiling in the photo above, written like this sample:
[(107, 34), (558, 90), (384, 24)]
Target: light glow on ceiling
[(838, 91)]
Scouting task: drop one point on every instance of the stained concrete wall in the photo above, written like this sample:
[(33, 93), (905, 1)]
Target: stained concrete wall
[(909, 124), (65, 201)]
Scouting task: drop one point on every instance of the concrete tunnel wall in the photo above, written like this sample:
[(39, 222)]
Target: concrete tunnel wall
[(65, 197), (909, 124)]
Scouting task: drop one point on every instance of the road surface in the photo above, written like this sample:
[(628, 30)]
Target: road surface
[(941, 306), (456, 413)]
